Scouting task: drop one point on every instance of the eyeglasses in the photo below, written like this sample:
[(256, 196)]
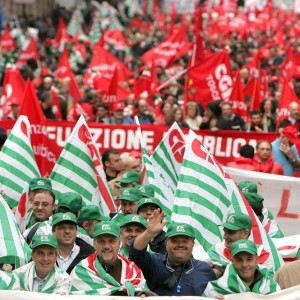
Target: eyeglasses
[(43, 204)]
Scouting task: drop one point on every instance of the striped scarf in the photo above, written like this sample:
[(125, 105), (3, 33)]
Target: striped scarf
[(271, 225), (57, 281), (231, 283), (89, 278), (6, 280), (221, 255)]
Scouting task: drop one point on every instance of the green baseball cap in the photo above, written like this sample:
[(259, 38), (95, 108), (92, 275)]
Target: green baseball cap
[(134, 218), (130, 177), (147, 191), (92, 212), (106, 228), (39, 240), (238, 222), (70, 202), (243, 246), (176, 229), (247, 186), (130, 194), (64, 217), (40, 183), (148, 201), (254, 199)]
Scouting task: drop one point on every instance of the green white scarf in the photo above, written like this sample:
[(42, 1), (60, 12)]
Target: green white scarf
[(6, 280), (57, 281), (89, 278), (231, 283)]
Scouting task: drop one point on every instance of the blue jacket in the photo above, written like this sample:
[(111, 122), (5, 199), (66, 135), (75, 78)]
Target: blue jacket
[(160, 274)]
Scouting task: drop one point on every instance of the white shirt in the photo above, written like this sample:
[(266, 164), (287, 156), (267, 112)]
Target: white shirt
[(64, 263)]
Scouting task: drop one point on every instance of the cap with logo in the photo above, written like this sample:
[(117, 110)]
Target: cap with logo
[(176, 229), (130, 177), (243, 246), (238, 222), (71, 202), (130, 194), (147, 191), (247, 186), (148, 201), (254, 199), (133, 218), (91, 212), (39, 240), (63, 217), (40, 183), (118, 106), (292, 134), (106, 228)]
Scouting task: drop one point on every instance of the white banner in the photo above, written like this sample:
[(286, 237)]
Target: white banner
[(288, 294), (281, 196)]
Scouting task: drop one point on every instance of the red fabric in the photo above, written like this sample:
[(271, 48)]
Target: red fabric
[(30, 52), (243, 163), (269, 166), (6, 41)]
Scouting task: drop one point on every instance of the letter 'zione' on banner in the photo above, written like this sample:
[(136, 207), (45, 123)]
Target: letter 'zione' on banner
[(284, 206)]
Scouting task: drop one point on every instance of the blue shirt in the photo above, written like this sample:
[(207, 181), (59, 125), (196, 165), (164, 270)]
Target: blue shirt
[(282, 159), (160, 274)]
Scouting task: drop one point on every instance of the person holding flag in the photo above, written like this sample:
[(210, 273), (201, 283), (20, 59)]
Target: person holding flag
[(243, 274)]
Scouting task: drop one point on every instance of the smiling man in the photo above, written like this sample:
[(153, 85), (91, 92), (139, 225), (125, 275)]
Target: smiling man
[(106, 272), (42, 275), (243, 274), (71, 250), (177, 273)]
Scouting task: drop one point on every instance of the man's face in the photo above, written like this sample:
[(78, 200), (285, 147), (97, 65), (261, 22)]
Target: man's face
[(226, 110), (132, 164), (131, 231), (118, 114), (114, 162), (89, 228), (42, 206), (128, 207), (101, 112), (147, 210), (44, 258), (65, 233), (107, 247), (245, 265), (142, 107), (294, 111), (256, 119), (231, 236), (263, 151), (47, 83), (179, 248)]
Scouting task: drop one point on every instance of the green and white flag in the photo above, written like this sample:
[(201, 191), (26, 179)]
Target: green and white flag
[(95, 31), (201, 198), (231, 283), (79, 169), (75, 25), (17, 162), (14, 249)]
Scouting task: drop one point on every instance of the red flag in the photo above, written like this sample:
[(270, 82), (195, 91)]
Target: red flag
[(166, 53), (115, 37), (253, 89), (287, 97), (288, 67), (237, 98), (30, 52), (111, 95), (104, 62), (56, 104), (7, 42), (13, 90), (62, 36), (63, 67), (212, 78), (142, 86)]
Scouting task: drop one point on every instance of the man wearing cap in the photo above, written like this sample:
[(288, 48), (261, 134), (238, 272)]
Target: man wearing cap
[(284, 150), (146, 207), (147, 191), (107, 272), (118, 115), (89, 216), (249, 189), (42, 275), (130, 179), (243, 274), (131, 227), (237, 226), (177, 273), (42, 200), (71, 250), (129, 198)]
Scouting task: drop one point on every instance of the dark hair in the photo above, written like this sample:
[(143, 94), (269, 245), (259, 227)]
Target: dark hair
[(247, 151), (255, 112), (44, 96), (273, 106), (104, 105), (215, 107), (106, 154), (39, 191)]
